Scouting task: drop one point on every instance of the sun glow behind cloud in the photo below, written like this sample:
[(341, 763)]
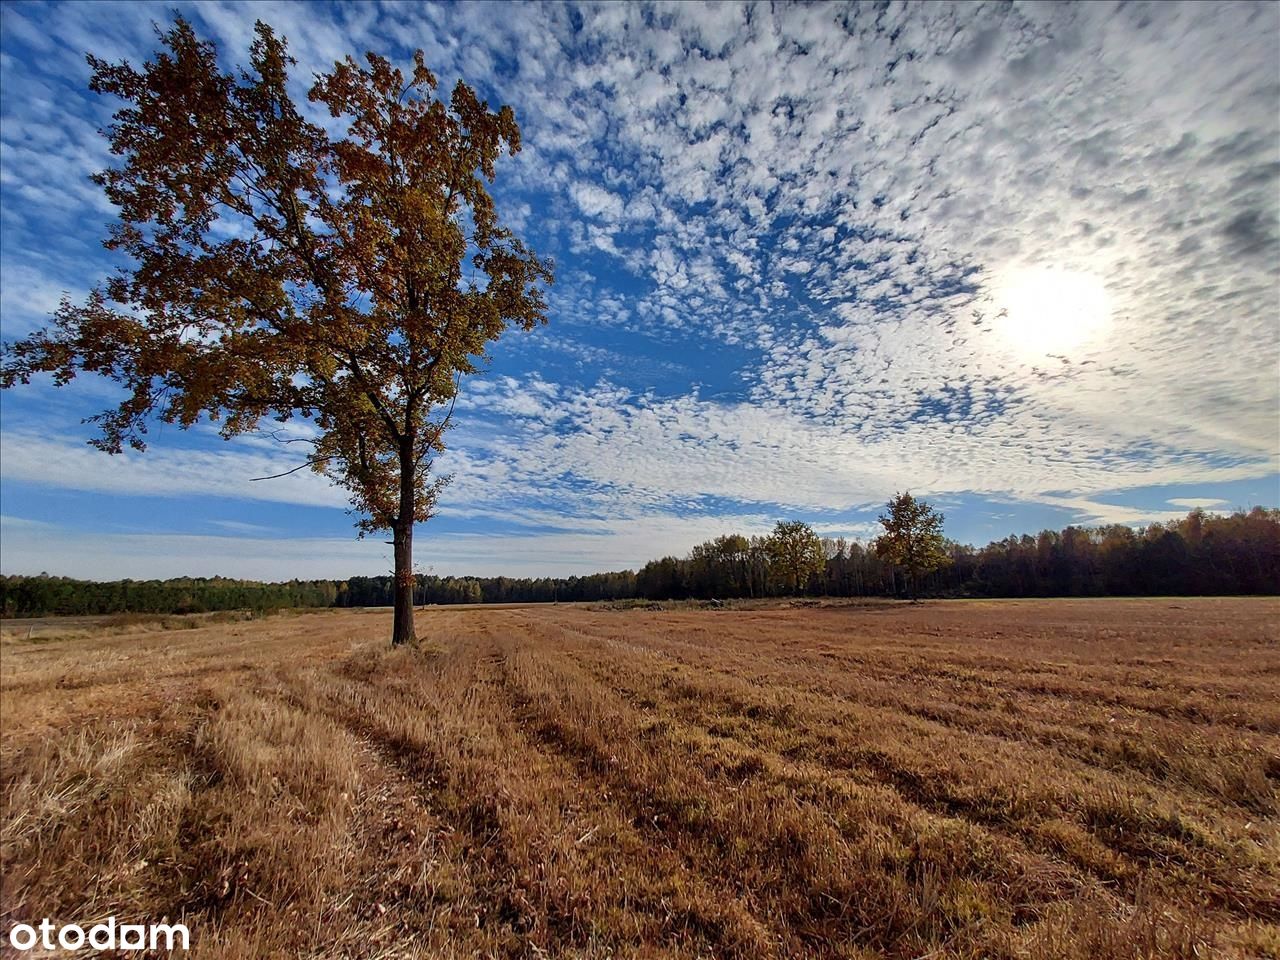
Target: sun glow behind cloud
[(1048, 311)]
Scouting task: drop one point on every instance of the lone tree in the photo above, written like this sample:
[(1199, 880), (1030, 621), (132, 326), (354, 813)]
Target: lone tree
[(912, 538), (281, 270), (796, 552)]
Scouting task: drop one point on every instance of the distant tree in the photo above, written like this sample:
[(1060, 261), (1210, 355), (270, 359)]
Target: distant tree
[(912, 538), (796, 553), (660, 579), (719, 567), (733, 551), (279, 270)]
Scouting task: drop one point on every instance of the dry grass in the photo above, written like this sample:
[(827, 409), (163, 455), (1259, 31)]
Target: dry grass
[(1092, 779), (44, 629)]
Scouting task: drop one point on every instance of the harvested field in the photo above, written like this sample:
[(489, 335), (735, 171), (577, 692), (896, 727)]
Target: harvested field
[(1089, 779)]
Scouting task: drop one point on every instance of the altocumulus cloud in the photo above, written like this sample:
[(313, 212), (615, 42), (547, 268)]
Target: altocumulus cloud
[(781, 233)]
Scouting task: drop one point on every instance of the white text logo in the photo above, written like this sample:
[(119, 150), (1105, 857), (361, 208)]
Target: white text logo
[(107, 935)]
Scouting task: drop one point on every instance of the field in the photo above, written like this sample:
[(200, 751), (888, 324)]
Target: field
[(1089, 779)]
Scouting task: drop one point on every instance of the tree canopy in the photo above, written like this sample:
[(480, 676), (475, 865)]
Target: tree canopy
[(912, 538), (281, 270), (797, 553)]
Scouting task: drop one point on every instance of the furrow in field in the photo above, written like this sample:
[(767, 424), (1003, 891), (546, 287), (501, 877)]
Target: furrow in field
[(562, 869), (1233, 766), (1067, 814), (805, 848), (1238, 695)]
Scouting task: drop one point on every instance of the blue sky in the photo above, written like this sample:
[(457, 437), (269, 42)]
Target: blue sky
[(1022, 260)]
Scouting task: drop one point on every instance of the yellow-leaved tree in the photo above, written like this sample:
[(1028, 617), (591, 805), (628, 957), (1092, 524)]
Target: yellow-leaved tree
[(912, 538), (796, 554), (280, 270)]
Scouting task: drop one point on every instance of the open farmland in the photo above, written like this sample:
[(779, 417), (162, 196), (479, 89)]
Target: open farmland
[(1085, 779)]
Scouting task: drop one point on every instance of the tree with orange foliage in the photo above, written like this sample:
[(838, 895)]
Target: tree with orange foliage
[(282, 271)]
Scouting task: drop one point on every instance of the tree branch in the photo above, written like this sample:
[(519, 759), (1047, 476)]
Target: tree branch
[(302, 466)]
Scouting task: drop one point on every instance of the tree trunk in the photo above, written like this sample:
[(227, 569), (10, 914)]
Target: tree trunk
[(402, 537), (402, 631)]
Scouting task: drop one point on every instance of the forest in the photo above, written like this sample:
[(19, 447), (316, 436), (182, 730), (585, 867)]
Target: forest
[(1201, 554)]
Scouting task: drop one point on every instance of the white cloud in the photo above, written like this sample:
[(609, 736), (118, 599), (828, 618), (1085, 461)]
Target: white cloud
[(1091, 513), (27, 297), (163, 470), (597, 202)]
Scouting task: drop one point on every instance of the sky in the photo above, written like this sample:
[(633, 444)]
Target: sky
[(1022, 260)]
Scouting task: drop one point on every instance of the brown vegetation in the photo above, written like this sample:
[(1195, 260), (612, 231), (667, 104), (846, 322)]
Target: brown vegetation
[(1085, 779)]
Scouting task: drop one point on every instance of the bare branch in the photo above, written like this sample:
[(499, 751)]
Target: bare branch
[(302, 466)]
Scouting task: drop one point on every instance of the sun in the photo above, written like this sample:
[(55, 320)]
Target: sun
[(1045, 310)]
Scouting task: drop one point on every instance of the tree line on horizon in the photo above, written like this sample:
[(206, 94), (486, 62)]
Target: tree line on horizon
[(1202, 553)]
